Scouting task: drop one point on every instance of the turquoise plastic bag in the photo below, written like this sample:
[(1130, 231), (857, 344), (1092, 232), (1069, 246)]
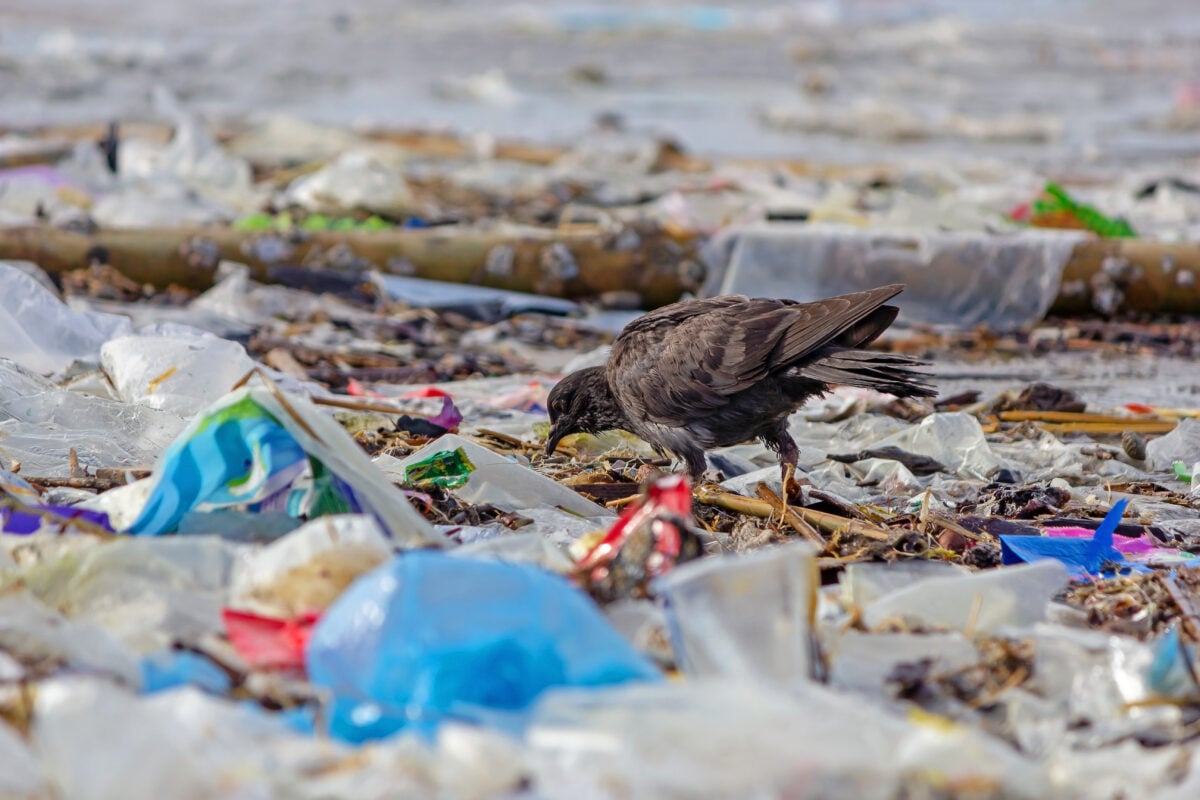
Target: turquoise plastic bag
[(430, 637)]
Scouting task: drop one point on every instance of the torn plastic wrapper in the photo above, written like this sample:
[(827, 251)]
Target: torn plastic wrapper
[(499, 481), (447, 469), (951, 278), (180, 374), (251, 448), (429, 637)]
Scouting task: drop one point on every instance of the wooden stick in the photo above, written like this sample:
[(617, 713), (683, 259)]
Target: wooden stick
[(790, 517), (1139, 426), (1070, 416), (832, 524), (358, 405)]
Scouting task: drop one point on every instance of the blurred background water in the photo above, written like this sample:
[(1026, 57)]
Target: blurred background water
[(1070, 83)]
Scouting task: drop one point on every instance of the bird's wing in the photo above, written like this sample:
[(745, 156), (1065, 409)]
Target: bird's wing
[(657, 323), (691, 358)]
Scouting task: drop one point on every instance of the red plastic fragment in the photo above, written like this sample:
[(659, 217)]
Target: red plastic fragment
[(269, 643)]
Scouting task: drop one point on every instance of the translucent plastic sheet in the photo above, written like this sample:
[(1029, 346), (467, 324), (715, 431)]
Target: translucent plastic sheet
[(956, 279), (40, 424), (40, 332), (743, 615)]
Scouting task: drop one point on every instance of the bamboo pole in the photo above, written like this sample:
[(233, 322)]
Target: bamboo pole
[(1161, 276), (189, 256)]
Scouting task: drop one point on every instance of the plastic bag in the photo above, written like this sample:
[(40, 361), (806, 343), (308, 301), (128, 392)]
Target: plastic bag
[(41, 333), (430, 637), (251, 448)]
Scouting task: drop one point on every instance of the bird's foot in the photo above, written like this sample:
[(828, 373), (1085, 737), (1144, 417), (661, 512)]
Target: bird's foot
[(781, 508), (788, 485)]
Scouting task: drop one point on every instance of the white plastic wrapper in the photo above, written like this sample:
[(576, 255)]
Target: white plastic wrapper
[(356, 180)]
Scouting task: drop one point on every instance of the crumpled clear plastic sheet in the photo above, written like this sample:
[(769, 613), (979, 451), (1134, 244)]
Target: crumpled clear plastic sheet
[(282, 140), (632, 741), (94, 741), (100, 742), (1041, 456), (192, 157), (493, 635), (1096, 678), (159, 203), (951, 278), (32, 632), (532, 547), (953, 439), (863, 584), (745, 615), (43, 334), (983, 602), (235, 296), (864, 662), (182, 373), (40, 423), (146, 593)]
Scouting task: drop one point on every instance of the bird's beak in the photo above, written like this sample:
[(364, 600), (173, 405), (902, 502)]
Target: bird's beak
[(552, 438)]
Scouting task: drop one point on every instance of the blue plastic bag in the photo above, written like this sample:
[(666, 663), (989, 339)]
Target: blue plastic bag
[(429, 637)]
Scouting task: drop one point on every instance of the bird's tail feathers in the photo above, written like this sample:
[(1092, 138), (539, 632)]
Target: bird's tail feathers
[(883, 372)]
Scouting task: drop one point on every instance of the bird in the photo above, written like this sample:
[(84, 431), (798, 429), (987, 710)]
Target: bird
[(718, 371)]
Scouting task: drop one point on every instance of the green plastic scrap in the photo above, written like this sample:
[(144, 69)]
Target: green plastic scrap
[(284, 221), (1181, 472), (448, 469), (1092, 219), (255, 222)]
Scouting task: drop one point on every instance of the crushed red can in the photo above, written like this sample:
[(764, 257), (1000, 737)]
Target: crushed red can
[(651, 536)]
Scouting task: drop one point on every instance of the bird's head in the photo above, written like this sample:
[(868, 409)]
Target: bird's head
[(581, 403)]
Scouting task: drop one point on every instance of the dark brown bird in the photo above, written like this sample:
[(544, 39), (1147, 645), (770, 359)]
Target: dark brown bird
[(715, 372)]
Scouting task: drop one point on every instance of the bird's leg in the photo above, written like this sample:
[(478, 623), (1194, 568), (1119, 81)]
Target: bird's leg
[(789, 454), (696, 465)]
